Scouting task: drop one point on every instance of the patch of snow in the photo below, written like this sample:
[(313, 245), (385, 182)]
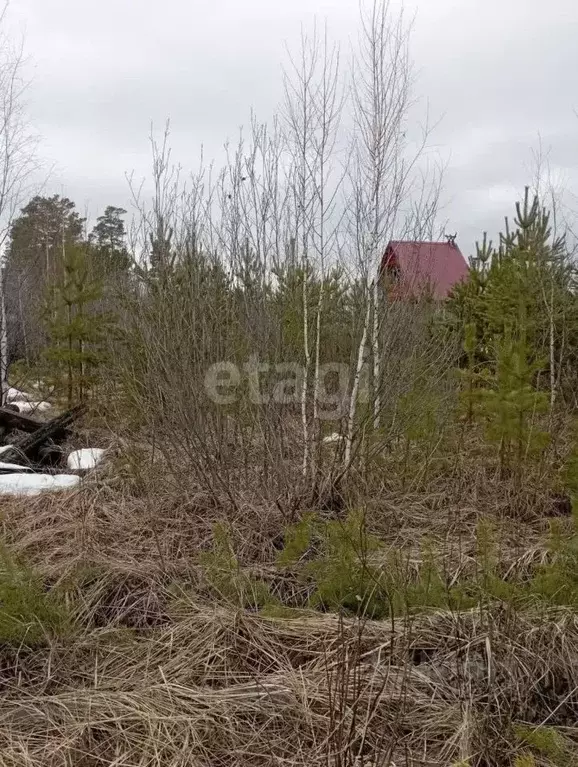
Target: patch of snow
[(32, 407), (15, 395), (332, 438), (34, 484), (87, 458), (12, 466)]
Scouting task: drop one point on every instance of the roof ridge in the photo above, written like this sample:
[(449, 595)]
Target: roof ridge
[(419, 242)]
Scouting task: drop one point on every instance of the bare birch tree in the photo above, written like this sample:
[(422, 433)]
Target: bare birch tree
[(384, 162), (381, 91), (300, 116), (17, 159), (313, 109), (328, 109), (548, 188)]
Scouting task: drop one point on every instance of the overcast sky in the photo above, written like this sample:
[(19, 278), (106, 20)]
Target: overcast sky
[(496, 73)]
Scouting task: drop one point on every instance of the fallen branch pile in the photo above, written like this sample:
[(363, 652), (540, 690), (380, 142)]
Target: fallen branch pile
[(35, 443)]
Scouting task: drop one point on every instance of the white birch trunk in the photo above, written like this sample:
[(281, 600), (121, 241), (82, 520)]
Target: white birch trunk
[(305, 465), (355, 387), (3, 343), (376, 359), (552, 351), (317, 354)]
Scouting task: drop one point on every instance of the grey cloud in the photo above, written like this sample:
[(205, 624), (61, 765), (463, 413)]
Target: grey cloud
[(498, 72)]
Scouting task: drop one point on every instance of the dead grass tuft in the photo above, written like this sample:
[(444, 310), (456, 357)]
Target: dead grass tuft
[(157, 671)]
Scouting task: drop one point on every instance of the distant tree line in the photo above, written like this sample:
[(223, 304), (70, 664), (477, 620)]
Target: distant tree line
[(44, 240)]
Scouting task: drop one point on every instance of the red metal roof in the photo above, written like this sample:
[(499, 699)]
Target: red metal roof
[(425, 267)]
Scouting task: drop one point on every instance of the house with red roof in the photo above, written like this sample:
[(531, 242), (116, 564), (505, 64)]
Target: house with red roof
[(418, 269)]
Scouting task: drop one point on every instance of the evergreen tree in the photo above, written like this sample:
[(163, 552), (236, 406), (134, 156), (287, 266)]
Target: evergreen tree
[(523, 267), (108, 239), (510, 403), (469, 374), (522, 287), (336, 311), (37, 236), (74, 330), (467, 303), (34, 256)]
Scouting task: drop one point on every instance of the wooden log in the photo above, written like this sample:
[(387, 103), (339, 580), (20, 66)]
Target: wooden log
[(10, 420), (29, 446)]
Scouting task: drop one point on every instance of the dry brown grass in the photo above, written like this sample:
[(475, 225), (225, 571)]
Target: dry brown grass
[(215, 686), (157, 672)]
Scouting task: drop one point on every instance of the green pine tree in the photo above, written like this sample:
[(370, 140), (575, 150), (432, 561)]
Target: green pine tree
[(467, 306), (469, 374), (75, 330), (527, 280), (110, 254), (524, 286), (510, 402)]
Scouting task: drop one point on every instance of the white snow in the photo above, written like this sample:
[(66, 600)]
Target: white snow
[(12, 466), (15, 395), (87, 458), (332, 438), (34, 484), (24, 402), (31, 407)]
